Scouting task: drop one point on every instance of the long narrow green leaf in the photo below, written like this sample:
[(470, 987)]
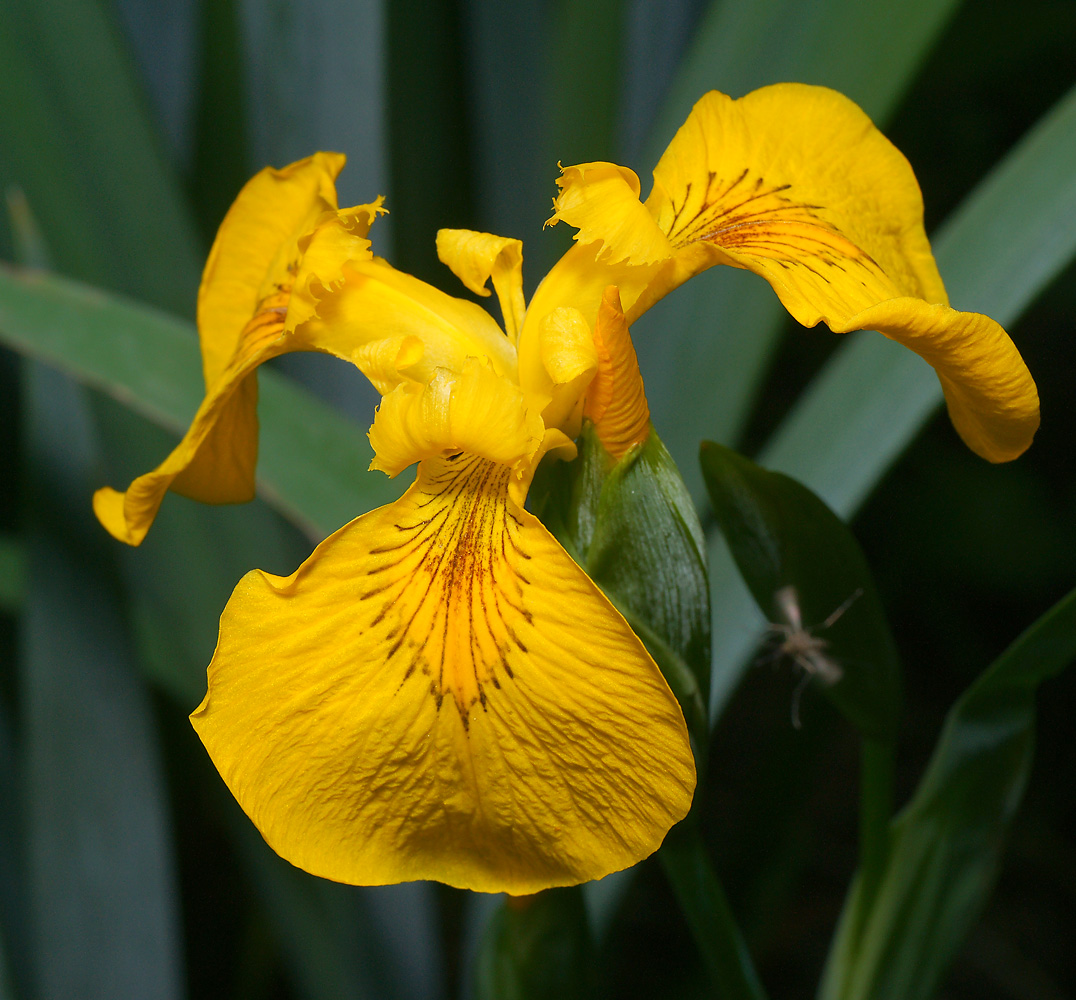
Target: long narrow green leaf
[(87, 157), (710, 342), (313, 462), (12, 574), (701, 896), (945, 846), (864, 407), (102, 886), (14, 932)]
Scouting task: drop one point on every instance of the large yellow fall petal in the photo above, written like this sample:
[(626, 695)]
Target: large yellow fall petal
[(796, 184), (439, 692)]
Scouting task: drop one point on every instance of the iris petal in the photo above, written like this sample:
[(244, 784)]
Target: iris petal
[(215, 460), (616, 402), (991, 396), (796, 184), (253, 247), (440, 692), (476, 411), (377, 302), (476, 257)]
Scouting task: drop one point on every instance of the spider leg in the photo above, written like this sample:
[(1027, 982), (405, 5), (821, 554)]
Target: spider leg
[(797, 696), (831, 620)]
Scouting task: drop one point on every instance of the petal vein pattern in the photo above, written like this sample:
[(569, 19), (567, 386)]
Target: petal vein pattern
[(440, 692)]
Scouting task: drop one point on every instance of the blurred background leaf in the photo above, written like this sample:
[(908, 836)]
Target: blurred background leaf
[(537, 948), (99, 865)]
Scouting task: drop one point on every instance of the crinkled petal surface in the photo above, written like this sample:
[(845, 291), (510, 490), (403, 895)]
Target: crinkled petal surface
[(439, 692), (476, 411), (273, 209)]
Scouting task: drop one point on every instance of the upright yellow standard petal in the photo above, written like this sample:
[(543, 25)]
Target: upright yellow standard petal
[(439, 692), (476, 257)]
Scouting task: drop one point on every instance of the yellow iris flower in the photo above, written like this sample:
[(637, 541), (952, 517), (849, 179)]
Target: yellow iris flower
[(439, 691)]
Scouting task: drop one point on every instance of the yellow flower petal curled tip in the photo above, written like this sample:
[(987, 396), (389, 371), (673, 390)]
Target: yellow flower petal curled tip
[(475, 258), (281, 244), (795, 184)]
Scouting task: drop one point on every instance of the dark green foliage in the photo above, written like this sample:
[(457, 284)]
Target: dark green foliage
[(781, 535)]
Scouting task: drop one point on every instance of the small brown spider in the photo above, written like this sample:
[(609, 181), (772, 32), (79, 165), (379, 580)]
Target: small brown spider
[(802, 646)]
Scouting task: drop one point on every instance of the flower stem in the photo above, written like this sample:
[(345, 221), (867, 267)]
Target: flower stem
[(702, 898), (875, 810)]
